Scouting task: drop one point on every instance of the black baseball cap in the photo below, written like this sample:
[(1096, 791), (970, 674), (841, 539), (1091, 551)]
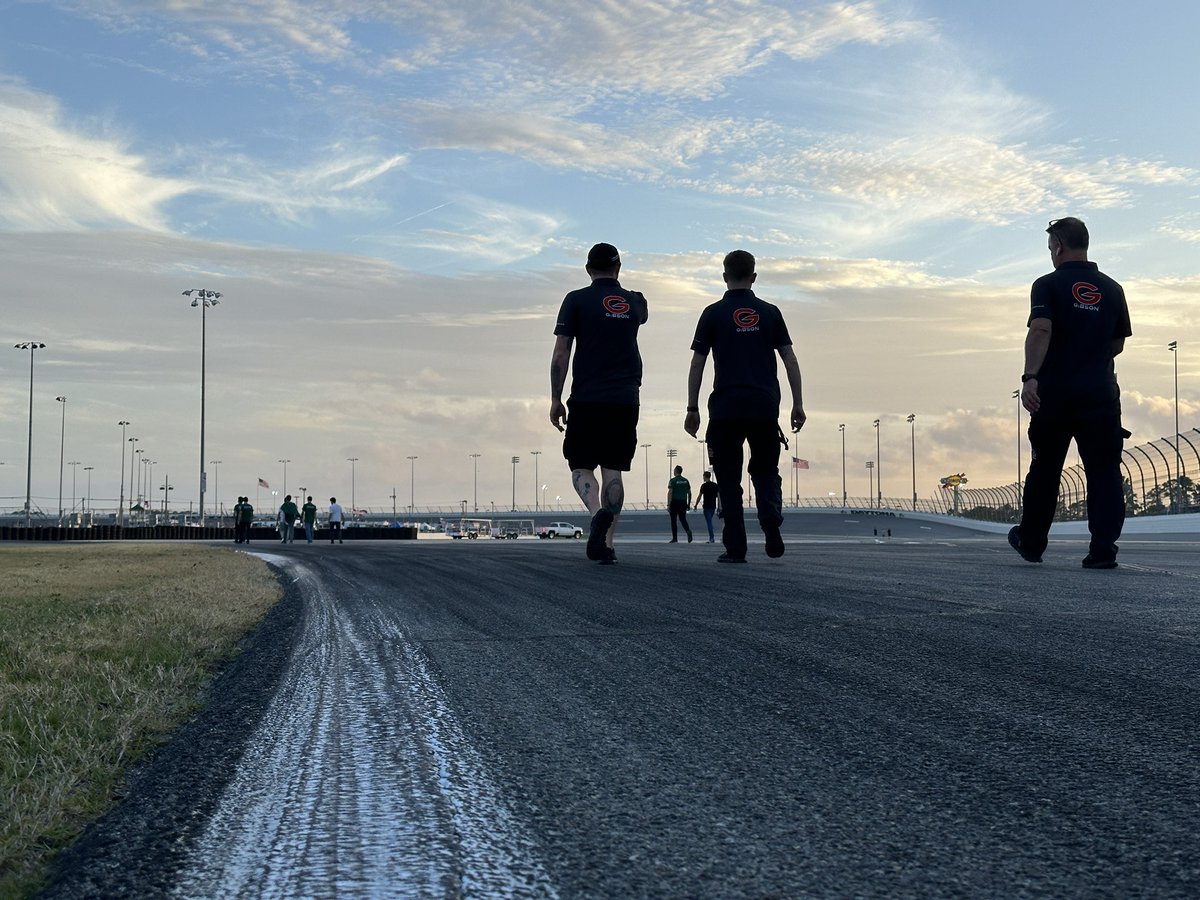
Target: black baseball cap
[(603, 256)]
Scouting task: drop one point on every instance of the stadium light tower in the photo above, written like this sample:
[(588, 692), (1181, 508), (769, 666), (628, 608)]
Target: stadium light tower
[(842, 429), (1176, 505), (121, 502), (204, 299), (30, 346), (646, 447)]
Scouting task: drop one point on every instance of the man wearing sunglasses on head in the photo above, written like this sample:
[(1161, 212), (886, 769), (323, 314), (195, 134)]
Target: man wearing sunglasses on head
[(1078, 323)]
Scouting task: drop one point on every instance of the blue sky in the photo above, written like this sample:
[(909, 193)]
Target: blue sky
[(394, 198)]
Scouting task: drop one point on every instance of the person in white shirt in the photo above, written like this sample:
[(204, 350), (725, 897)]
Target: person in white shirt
[(335, 521)]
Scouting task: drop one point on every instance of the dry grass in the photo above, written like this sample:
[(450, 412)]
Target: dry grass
[(103, 650)]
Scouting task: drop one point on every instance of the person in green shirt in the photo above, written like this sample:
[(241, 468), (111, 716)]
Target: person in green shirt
[(310, 518), (245, 517), (679, 498), (288, 514)]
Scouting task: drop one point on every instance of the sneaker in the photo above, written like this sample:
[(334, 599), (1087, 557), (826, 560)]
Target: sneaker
[(610, 557), (774, 541), (1099, 562), (1014, 541), (601, 522), (726, 558), (673, 541), (689, 537)]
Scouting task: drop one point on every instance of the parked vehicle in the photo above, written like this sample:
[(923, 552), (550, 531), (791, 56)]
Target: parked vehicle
[(560, 529)]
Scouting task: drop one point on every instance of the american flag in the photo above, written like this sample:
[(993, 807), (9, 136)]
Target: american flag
[(798, 463), (262, 483)]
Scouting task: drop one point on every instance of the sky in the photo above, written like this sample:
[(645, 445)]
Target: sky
[(393, 198)]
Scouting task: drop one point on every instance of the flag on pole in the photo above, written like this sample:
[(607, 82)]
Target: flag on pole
[(262, 483), (798, 463)]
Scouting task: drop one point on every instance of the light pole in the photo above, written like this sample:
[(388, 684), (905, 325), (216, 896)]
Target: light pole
[(515, 460), (121, 502), (89, 469), (912, 420), (216, 487), (842, 429), (62, 455), (1176, 505), (136, 496), (475, 462), (149, 481), (646, 448), (132, 442), (30, 346), (412, 490), (166, 488), (878, 470), (74, 464), (671, 454), (203, 299), (285, 462), (871, 477), (353, 505), (535, 454)]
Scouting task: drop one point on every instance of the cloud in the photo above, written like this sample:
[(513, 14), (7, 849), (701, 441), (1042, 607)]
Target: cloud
[(54, 175), (338, 182)]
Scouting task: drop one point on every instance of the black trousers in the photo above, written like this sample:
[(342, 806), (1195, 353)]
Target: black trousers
[(1100, 440), (726, 440), (678, 510)]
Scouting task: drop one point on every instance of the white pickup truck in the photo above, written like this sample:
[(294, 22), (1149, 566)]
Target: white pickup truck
[(560, 529)]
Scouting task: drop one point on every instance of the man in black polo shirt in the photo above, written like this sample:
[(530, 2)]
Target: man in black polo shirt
[(1078, 323), (601, 322), (744, 333)]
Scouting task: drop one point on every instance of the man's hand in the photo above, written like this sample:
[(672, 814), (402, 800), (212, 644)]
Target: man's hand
[(558, 414), (798, 418), (691, 423), (1029, 396)]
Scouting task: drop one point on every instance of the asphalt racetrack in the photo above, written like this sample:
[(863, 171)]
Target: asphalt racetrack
[(923, 715)]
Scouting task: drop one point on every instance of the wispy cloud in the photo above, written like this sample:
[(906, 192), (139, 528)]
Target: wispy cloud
[(54, 174)]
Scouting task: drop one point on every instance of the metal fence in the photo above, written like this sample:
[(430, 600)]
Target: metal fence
[(1160, 478)]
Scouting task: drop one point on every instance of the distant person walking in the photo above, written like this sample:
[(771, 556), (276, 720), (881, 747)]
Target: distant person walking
[(237, 521), (1078, 322), (708, 497), (601, 323), (309, 516), (335, 521), (288, 514), (744, 333), (246, 519), (679, 497)]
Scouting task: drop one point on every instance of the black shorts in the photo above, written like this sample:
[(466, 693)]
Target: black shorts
[(601, 434)]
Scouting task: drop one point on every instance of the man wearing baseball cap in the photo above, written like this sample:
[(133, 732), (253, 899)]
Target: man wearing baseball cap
[(600, 322)]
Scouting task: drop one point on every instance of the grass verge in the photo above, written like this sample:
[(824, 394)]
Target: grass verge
[(104, 649)]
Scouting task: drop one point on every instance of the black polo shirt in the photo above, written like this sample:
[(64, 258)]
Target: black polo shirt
[(743, 333), (603, 319), (1087, 311)]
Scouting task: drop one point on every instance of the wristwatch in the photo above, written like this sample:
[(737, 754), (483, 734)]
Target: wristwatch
[(1027, 376)]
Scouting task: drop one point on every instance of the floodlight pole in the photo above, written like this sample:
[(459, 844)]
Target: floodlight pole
[(204, 299), (30, 346)]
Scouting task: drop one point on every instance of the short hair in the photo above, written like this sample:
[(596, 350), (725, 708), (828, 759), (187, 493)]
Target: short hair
[(739, 265), (333, 499), (603, 258), (1070, 232), (679, 470)]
